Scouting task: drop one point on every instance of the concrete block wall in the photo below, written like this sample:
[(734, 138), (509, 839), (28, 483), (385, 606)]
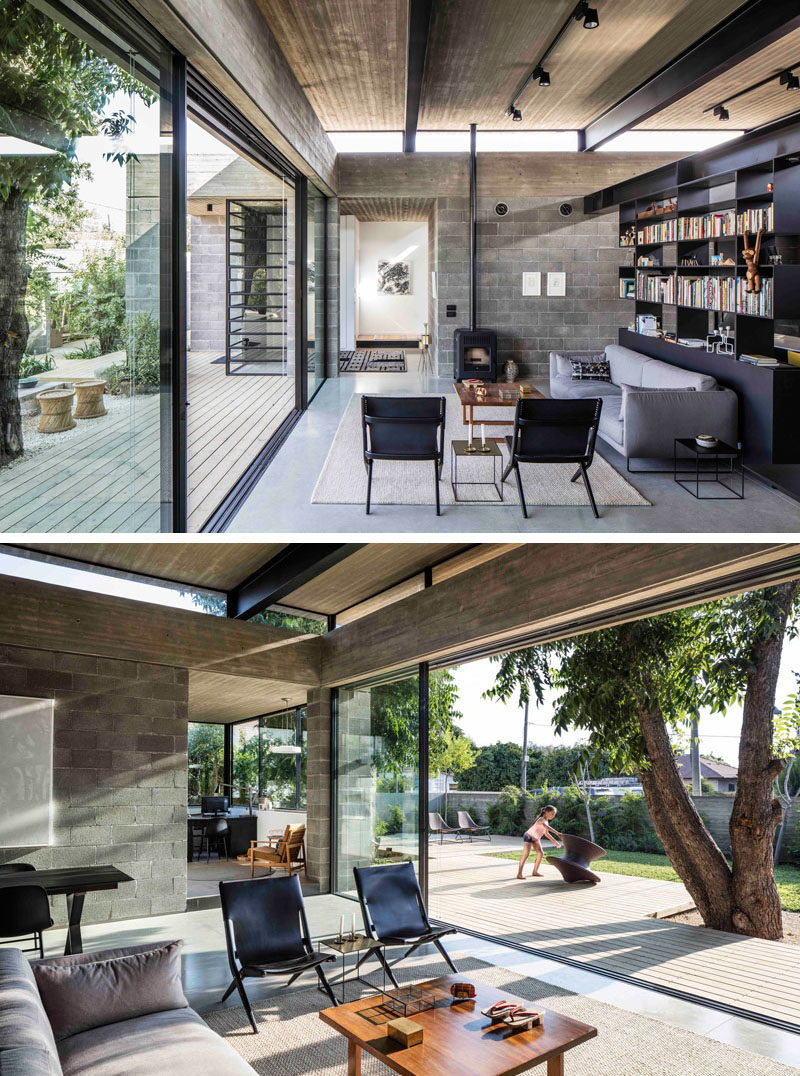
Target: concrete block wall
[(119, 775), (318, 787), (332, 288), (142, 247), (207, 282), (532, 237)]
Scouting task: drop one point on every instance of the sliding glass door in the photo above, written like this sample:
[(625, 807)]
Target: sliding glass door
[(376, 776)]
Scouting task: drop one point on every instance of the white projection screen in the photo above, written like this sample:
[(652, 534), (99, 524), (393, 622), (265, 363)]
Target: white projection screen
[(26, 772)]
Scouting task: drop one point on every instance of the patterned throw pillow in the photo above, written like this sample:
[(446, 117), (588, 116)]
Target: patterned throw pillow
[(595, 369)]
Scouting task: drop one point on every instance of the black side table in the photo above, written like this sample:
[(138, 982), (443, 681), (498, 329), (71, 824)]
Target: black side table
[(458, 451), (730, 478), (362, 947)]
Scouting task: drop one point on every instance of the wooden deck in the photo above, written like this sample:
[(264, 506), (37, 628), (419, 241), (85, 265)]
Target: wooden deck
[(230, 419), (105, 476), (606, 928)]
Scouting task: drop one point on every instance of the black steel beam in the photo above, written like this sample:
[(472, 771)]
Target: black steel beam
[(748, 31), (293, 567), (419, 21)]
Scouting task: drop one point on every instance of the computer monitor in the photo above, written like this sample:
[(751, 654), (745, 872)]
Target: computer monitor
[(214, 804)]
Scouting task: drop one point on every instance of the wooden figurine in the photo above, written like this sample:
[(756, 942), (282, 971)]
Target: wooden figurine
[(751, 255)]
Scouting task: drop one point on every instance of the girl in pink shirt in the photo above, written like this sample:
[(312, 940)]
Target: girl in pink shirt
[(533, 839)]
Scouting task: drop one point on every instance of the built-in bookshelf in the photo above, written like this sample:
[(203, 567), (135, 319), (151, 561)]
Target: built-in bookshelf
[(688, 272)]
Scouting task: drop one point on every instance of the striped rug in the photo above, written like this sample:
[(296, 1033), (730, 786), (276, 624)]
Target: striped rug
[(370, 361)]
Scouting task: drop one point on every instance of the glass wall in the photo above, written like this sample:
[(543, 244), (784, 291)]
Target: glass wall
[(206, 758), (376, 776), (256, 766), (315, 287), (85, 430)]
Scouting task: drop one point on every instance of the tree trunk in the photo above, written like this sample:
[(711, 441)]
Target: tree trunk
[(756, 813), (13, 323), (523, 779), (691, 849), (694, 755)]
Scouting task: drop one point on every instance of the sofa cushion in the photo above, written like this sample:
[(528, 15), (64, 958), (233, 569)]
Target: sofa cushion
[(27, 1047), (626, 365), (564, 388), (563, 361), (590, 369), (78, 995), (174, 1043), (611, 420), (662, 375)]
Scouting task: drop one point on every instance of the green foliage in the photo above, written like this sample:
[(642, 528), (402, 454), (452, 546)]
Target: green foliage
[(507, 815), (96, 299), (53, 90), (257, 300), (793, 846), (89, 350), (35, 364), (395, 820), (496, 765), (142, 351), (206, 751), (291, 622), (524, 673)]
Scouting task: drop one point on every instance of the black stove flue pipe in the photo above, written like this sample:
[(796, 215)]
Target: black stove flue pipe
[(473, 226)]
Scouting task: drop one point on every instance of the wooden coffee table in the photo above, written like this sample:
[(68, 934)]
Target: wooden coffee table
[(458, 1040), (498, 394)]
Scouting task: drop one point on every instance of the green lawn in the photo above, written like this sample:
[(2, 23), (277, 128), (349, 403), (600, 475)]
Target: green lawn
[(650, 865)]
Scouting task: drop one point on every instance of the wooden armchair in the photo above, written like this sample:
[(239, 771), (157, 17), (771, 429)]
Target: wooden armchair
[(287, 852)]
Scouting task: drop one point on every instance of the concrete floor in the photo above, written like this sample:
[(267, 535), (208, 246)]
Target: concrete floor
[(281, 501), (206, 975)]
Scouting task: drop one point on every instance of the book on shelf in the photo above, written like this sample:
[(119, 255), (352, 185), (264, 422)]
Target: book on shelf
[(708, 226), (727, 294), (627, 288), (666, 231), (654, 288), (759, 360), (753, 219)]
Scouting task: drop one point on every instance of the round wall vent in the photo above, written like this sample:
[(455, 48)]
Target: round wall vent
[(501, 209), (565, 209)]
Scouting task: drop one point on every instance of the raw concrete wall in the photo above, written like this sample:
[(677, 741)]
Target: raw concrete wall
[(207, 282), (119, 775), (318, 788)]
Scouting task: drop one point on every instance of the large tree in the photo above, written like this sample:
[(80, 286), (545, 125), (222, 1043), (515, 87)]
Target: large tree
[(628, 686), (53, 90), (524, 674)]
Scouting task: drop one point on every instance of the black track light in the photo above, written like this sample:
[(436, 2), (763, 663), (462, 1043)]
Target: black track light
[(721, 112), (542, 76), (588, 14), (790, 81), (516, 115)]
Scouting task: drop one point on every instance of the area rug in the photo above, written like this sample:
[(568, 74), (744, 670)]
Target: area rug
[(343, 478), (371, 361), (293, 1041)]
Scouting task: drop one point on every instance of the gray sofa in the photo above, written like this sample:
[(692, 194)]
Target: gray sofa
[(648, 403), (120, 1012)]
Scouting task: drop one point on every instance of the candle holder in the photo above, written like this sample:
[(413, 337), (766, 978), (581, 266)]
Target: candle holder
[(484, 448), (471, 448)]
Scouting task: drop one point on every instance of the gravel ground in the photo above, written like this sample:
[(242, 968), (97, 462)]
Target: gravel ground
[(791, 924), (41, 443)]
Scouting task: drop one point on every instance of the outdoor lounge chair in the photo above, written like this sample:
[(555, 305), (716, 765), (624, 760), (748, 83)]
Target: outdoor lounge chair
[(436, 824), (266, 932), (394, 913), (286, 853), (578, 854), (470, 828)]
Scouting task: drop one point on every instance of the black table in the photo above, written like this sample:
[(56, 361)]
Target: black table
[(243, 830), (74, 883), (698, 475)]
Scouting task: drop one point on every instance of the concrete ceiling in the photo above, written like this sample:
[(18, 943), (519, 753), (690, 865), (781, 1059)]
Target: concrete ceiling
[(350, 57), (388, 208), (217, 697)]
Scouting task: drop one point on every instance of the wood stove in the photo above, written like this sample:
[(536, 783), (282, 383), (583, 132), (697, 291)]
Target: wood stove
[(476, 354)]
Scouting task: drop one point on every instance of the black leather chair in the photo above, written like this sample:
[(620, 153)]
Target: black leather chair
[(394, 912), (266, 932), (403, 428), (554, 431), (216, 831), (24, 914), (15, 868)]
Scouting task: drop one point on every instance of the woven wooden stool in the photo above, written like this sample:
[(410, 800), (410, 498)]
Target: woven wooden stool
[(56, 405), (89, 401)]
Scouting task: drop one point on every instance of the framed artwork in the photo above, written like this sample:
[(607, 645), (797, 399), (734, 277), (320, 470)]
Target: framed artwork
[(26, 772), (394, 278)]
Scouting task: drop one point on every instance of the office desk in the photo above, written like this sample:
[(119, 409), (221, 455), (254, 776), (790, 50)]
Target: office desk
[(242, 826), (74, 883)]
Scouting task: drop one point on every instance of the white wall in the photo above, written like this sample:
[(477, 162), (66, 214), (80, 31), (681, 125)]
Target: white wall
[(386, 240), (347, 282)]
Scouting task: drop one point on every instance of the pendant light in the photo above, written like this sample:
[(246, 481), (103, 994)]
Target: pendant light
[(285, 748)]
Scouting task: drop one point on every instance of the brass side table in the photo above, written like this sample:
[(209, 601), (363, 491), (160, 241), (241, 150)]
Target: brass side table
[(458, 451), (362, 947)]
